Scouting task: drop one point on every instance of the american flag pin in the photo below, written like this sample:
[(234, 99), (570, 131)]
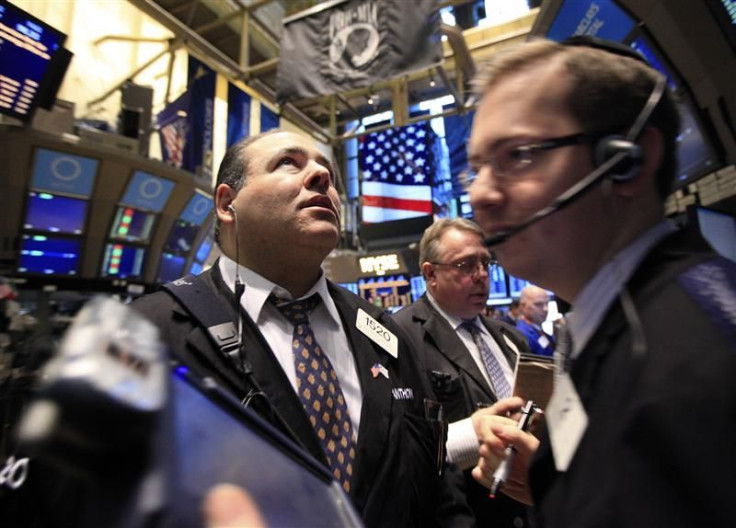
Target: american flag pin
[(379, 369)]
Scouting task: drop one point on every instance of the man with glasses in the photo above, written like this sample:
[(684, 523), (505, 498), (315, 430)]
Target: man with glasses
[(470, 359), (640, 428)]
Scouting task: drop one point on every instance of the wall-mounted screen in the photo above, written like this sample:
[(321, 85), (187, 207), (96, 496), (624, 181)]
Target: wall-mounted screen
[(146, 191), (497, 279), (597, 18), (171, 267), (418, 287), (181, 238), (204, 249), (352, 286), (132, 225), (197, 209), (61, 172), (27, 50), (56, 214), (695, 156), (49, 255), (123, 261), (516, 285)]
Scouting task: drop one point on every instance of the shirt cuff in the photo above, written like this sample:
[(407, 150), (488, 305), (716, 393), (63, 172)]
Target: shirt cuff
[(462, 444)]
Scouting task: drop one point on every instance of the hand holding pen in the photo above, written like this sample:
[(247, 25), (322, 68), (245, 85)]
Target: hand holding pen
[(496, 434), (501, 475)]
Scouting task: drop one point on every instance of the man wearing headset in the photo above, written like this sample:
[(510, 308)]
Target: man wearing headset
[(574, 152)]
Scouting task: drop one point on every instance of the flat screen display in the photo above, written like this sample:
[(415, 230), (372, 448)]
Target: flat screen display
[(181, 238), (196, 268), (171, 267), (197, 209), (132, 225), (27, 47), (123, 261), (694, 154), (516, 285), (418, 287), (56, 214), (49, 255), (146, 191), (204, 250), (497, 279), (596, 18), (351, 286), (61, 172)]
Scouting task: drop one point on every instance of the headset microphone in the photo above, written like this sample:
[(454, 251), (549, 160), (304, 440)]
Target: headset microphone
[(617, 157)]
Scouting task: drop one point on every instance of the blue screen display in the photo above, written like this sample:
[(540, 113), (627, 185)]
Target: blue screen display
[(497, 279), (147, 191), (596, 18), (204, 250), (694, 155), (197, 209), (516, 285), (418, 287), (352, 286), (61, 172), (26, 48), (132, 225), (181, 238), (171, 267), (642, 45), (49, 255), (56, 214), (123, 261), (196, 268)]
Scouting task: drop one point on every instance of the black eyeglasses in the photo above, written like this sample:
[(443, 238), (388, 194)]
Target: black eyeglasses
[(510, 160), (467, 267)]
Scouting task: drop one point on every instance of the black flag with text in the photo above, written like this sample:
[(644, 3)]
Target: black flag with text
[(352, 44)]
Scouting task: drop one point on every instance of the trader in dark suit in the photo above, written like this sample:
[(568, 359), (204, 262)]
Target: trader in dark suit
[(329, 369), (445, 324), (640, 429)]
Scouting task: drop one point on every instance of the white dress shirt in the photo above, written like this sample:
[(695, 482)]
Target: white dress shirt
[(277, 330), (462, 442)]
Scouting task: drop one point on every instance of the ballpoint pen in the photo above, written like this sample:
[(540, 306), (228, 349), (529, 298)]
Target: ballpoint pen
[(502, 471)]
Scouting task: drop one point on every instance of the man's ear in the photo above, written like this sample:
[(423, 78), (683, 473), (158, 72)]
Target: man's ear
[(224, 196), (652, 147), (428, 272)]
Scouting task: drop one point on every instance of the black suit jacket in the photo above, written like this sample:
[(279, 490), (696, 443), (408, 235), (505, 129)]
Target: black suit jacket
[(660, 446), (458, 382), (396, 480)]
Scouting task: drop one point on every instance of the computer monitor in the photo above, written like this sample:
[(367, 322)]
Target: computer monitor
[(181, 238), (197, 209), (597, 18), (171, 267), (148, 192), (61, 172), (55, 214), (497, 280), (49, 255), (132, 225), (32, 61), (123, 261)]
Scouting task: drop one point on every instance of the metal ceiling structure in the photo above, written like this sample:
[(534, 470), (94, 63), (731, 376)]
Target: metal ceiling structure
[(240, 40)]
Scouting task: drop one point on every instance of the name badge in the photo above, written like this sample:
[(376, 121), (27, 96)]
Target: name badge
[(377, 333), (543, 341), (566, 421)]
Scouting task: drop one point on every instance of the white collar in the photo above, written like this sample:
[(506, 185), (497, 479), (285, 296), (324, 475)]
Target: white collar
[(258, 288)]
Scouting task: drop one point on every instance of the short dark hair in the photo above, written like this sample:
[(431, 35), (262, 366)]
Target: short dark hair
[(608, 91), (234, 167)]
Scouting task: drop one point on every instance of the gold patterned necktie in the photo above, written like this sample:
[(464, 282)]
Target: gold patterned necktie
[(319, 390)]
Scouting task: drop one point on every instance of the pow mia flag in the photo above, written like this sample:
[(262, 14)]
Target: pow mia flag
[(349, 44)]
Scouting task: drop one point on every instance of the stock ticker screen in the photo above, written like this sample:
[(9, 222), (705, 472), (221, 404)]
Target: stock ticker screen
[(26, 48)]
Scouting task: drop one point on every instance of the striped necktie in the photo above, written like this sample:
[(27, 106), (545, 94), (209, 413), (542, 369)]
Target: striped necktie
[(319, 390), (500, 387)]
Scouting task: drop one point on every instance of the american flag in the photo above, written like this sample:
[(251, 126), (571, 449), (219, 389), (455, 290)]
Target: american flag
[(397, 171), (174, 137)]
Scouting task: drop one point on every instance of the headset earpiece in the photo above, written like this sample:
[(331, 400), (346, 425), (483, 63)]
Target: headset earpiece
[(627, 169), (231, 209)]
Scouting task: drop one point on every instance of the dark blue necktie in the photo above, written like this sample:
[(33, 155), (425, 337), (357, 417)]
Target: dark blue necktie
[(500, 387), (319, 390)]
